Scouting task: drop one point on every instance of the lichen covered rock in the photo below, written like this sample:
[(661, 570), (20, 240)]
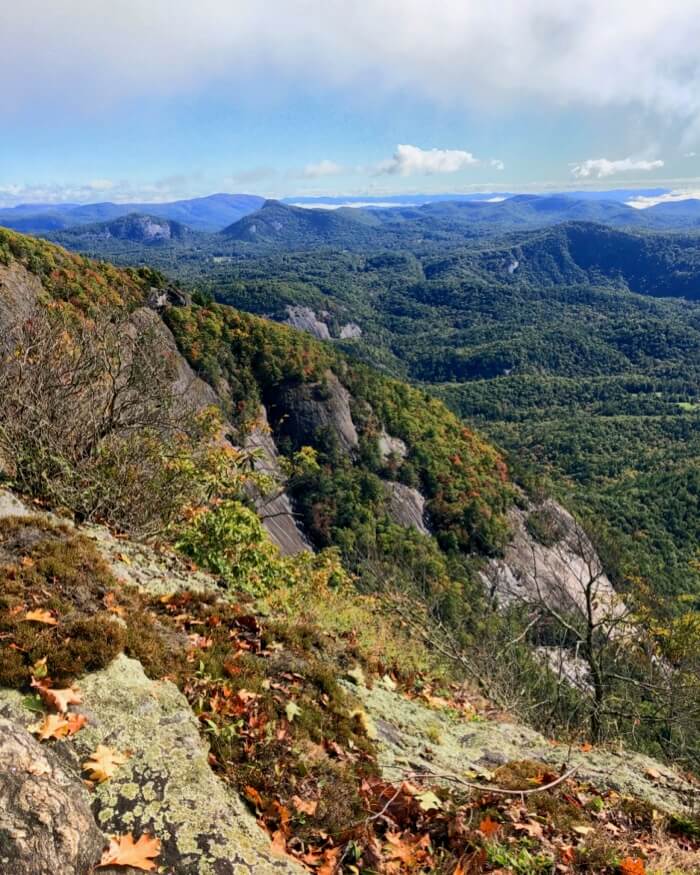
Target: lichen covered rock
[(46, 826), (166, 788), (412, 738)]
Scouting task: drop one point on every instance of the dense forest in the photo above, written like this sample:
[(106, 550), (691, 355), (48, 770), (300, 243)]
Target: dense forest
[(574, 347)]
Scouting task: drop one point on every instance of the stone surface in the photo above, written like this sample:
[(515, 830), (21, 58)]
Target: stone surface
[(166, 788), (413, 737), (557, 571), (46, 826), (305, 319), (350, 331), (406, 506), (276, 511), (311, 408), (391, 446)]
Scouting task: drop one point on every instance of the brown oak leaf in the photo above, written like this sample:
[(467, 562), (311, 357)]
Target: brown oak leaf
[(124, 851), (103, 763)]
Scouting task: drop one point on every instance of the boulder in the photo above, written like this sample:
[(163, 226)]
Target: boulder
[(46, 825), (549, 558), (309, 408), (166, 788)]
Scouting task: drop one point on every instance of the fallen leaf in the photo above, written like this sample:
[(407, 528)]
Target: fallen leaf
[(76, 722), (305, 806), (653, 774), (39, 669), (103, 763), (26, 562), (531, 827), (489, 827), (586, 747), (124, 851), (583, 830), (428, 801), (252, 795), (40, 616), (632, 866), (58, 699), (52, 726), (292, 710)]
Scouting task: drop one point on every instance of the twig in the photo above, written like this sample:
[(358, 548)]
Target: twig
[(485, 788)]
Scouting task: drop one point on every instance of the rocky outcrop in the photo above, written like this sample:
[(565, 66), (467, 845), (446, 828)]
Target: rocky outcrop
[(391, 446), (305, 319), (406, 506), (549, 558), (307, 410), (166, 788), (350, 331), (190, 389), (46, 826), (415, 738), (20, 291), (275, 510)]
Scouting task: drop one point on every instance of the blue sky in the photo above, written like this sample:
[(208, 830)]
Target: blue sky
[(162, 99)]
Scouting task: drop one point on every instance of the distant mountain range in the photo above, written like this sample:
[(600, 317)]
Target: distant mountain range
[(200, 214), (280, 226), (275, 221)]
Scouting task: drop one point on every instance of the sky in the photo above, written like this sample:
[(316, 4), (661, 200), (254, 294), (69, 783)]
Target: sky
[(160, 99)]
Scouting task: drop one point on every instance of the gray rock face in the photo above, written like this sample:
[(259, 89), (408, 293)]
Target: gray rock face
[(313, 407), (46, 826), (276, 510), (191, 389), (166, 788), (406, 506), (19, 293), (350, 331), (305, 319), (554, 567), (391, 446)]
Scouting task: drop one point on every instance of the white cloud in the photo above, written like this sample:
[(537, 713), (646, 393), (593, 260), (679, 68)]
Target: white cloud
[(412, 160), (84, 54), (690, 154), (322, 168), (497, 164), (602, 167), (643, 201)]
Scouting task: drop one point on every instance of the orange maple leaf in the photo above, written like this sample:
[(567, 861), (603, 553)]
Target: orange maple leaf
[(40, 616), (124, 851), (489, 827), (632, 866)]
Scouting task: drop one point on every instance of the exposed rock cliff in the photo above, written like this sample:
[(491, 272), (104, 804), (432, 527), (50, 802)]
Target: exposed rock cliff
[(275, 510), (307, 411), (549, 558)]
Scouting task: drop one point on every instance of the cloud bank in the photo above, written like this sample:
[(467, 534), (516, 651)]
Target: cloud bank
[(584, 52), (600, 168)]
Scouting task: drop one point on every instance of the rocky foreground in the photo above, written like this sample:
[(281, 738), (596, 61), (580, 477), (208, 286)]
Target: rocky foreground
[(164, 782)]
